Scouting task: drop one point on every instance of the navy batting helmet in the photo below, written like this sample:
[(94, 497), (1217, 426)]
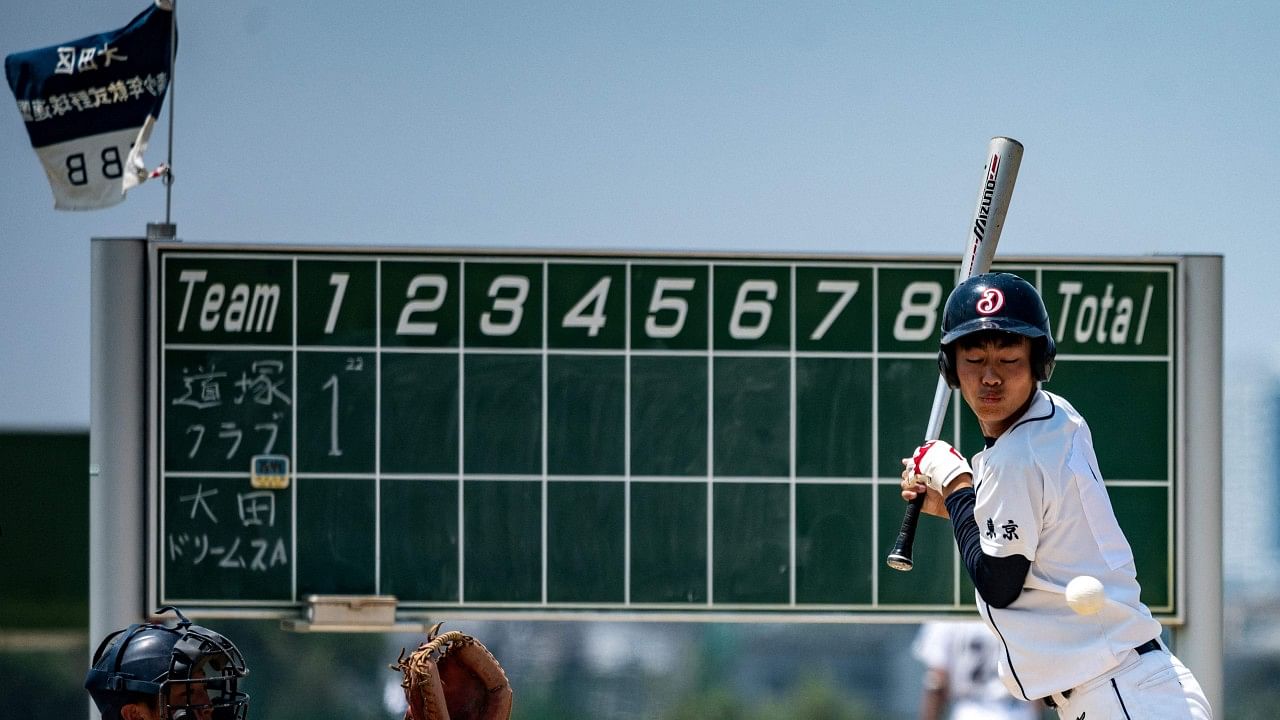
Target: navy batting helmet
[(1002, 302), (192, 670)]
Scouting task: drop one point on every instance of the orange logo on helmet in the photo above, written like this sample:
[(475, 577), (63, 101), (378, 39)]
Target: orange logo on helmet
[(990, 302)]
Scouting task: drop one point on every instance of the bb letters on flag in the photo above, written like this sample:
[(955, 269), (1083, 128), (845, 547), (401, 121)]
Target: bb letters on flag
[(89, 106)]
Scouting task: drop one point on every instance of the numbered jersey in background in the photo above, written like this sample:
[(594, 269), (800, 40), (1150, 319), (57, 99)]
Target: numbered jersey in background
[(966, 652)]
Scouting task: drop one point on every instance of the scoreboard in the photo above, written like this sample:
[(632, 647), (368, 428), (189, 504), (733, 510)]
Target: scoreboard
[(593, 433)]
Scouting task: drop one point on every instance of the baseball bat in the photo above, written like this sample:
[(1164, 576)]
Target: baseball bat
[(1004, 156)]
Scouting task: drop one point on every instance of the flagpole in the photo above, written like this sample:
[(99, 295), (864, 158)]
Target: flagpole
[(167, 231), (173, 52)]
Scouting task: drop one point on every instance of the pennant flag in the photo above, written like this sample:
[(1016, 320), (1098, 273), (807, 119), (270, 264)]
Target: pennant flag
[(89, 106)]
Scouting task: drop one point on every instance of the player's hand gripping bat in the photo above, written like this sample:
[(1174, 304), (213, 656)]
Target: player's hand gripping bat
[(1004, 155)]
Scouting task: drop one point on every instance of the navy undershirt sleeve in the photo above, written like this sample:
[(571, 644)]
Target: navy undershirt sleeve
[(998, 579)]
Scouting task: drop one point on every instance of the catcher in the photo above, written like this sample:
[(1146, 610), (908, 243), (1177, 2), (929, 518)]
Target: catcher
[(452, 676)]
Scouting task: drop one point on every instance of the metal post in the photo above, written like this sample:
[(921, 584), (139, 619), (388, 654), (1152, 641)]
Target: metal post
[(173, 99), (1199, 642), (117, 436)]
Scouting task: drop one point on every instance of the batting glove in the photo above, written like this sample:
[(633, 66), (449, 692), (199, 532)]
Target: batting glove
[(937, 464)]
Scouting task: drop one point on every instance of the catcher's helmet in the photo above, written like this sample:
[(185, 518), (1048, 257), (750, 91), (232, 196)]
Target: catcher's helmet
[(193, 671), (1001, 302)]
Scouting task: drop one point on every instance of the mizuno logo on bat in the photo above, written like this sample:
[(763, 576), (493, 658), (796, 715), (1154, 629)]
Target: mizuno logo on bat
[(984, 208)]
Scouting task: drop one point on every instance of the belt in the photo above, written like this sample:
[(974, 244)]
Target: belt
[(1149, 646)]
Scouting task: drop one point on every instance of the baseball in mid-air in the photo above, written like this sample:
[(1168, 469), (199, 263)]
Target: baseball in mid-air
[(1085, 595)]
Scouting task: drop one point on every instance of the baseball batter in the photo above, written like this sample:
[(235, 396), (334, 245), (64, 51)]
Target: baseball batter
[(1032, 513)]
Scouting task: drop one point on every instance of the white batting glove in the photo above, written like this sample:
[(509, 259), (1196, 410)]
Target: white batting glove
[(936, 464)]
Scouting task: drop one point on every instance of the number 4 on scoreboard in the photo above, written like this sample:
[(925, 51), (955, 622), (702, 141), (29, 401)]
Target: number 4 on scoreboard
[(588, 312)]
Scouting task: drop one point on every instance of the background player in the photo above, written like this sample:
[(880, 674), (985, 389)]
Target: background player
[(960, 673), (1033, 513), (150, 671)]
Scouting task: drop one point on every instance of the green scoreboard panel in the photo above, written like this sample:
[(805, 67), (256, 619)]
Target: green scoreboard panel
[(659, 435)]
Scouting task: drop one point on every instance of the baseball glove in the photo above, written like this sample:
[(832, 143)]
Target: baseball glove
[(453, 676)]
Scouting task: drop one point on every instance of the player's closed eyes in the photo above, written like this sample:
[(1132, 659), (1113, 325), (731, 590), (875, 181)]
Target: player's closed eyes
[(1004, 361)]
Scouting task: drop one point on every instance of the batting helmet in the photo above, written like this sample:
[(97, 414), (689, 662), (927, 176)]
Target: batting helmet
[(1002, 302), (193, 671)]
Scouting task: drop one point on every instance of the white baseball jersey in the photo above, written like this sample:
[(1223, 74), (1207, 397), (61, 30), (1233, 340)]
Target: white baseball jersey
[(1039, 494), (967, 652)]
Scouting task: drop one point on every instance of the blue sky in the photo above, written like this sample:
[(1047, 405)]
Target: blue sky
[(782, 127)]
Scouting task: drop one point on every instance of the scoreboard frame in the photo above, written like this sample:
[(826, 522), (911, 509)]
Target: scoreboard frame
[(1179, 347)]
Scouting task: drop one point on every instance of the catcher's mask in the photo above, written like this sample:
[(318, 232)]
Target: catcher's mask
[(192, 670)]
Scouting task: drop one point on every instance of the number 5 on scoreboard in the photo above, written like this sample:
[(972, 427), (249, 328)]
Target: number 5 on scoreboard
[(661, 301)]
